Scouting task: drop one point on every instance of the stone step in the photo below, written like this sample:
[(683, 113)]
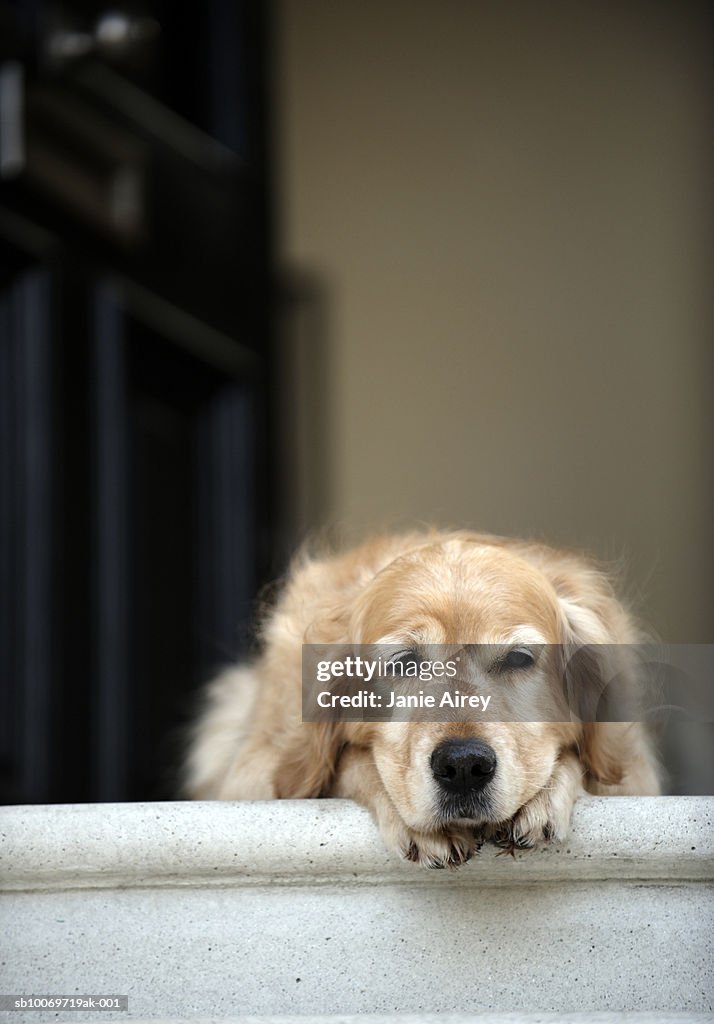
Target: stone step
[(293, 908)]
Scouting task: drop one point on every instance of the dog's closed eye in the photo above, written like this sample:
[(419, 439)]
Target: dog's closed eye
[(516, 660), (396, 664)]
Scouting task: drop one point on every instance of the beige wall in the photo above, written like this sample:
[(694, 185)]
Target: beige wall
[(507, 208)]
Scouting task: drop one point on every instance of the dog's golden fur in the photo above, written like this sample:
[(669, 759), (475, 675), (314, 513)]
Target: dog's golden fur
[(442, 588)]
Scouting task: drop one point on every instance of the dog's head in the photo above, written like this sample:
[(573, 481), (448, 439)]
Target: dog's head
[(539, 625)]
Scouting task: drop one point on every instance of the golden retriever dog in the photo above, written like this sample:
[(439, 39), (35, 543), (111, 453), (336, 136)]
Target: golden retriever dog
[(436, 789)]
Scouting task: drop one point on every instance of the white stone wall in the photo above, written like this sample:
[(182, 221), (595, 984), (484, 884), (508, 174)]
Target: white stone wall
[(205, 911)]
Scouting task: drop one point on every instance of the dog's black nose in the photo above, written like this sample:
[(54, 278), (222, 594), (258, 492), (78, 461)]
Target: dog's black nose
[(463, 766)]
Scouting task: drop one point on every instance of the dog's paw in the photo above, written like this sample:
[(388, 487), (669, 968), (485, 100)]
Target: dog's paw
[(541, 820), (447, 849)]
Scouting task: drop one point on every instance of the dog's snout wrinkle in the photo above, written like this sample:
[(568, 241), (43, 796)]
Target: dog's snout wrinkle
[(463, 766)]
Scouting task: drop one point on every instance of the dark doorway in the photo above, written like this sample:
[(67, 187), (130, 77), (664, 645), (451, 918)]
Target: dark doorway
[(136, 453)]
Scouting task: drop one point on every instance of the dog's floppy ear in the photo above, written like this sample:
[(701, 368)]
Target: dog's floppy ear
[(309, 751), (600, 666), (331, 587), (603, 746), (308, 763)]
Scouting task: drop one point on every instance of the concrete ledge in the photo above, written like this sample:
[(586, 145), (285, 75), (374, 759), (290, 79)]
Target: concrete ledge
[(264, 913), (310, 842)]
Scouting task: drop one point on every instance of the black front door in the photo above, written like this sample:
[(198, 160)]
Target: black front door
[(135, 370)]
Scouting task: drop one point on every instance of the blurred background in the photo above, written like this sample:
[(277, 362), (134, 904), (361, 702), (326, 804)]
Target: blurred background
[(271, 269)]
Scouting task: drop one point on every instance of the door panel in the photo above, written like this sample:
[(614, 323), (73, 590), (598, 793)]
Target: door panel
[(135, 385)]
